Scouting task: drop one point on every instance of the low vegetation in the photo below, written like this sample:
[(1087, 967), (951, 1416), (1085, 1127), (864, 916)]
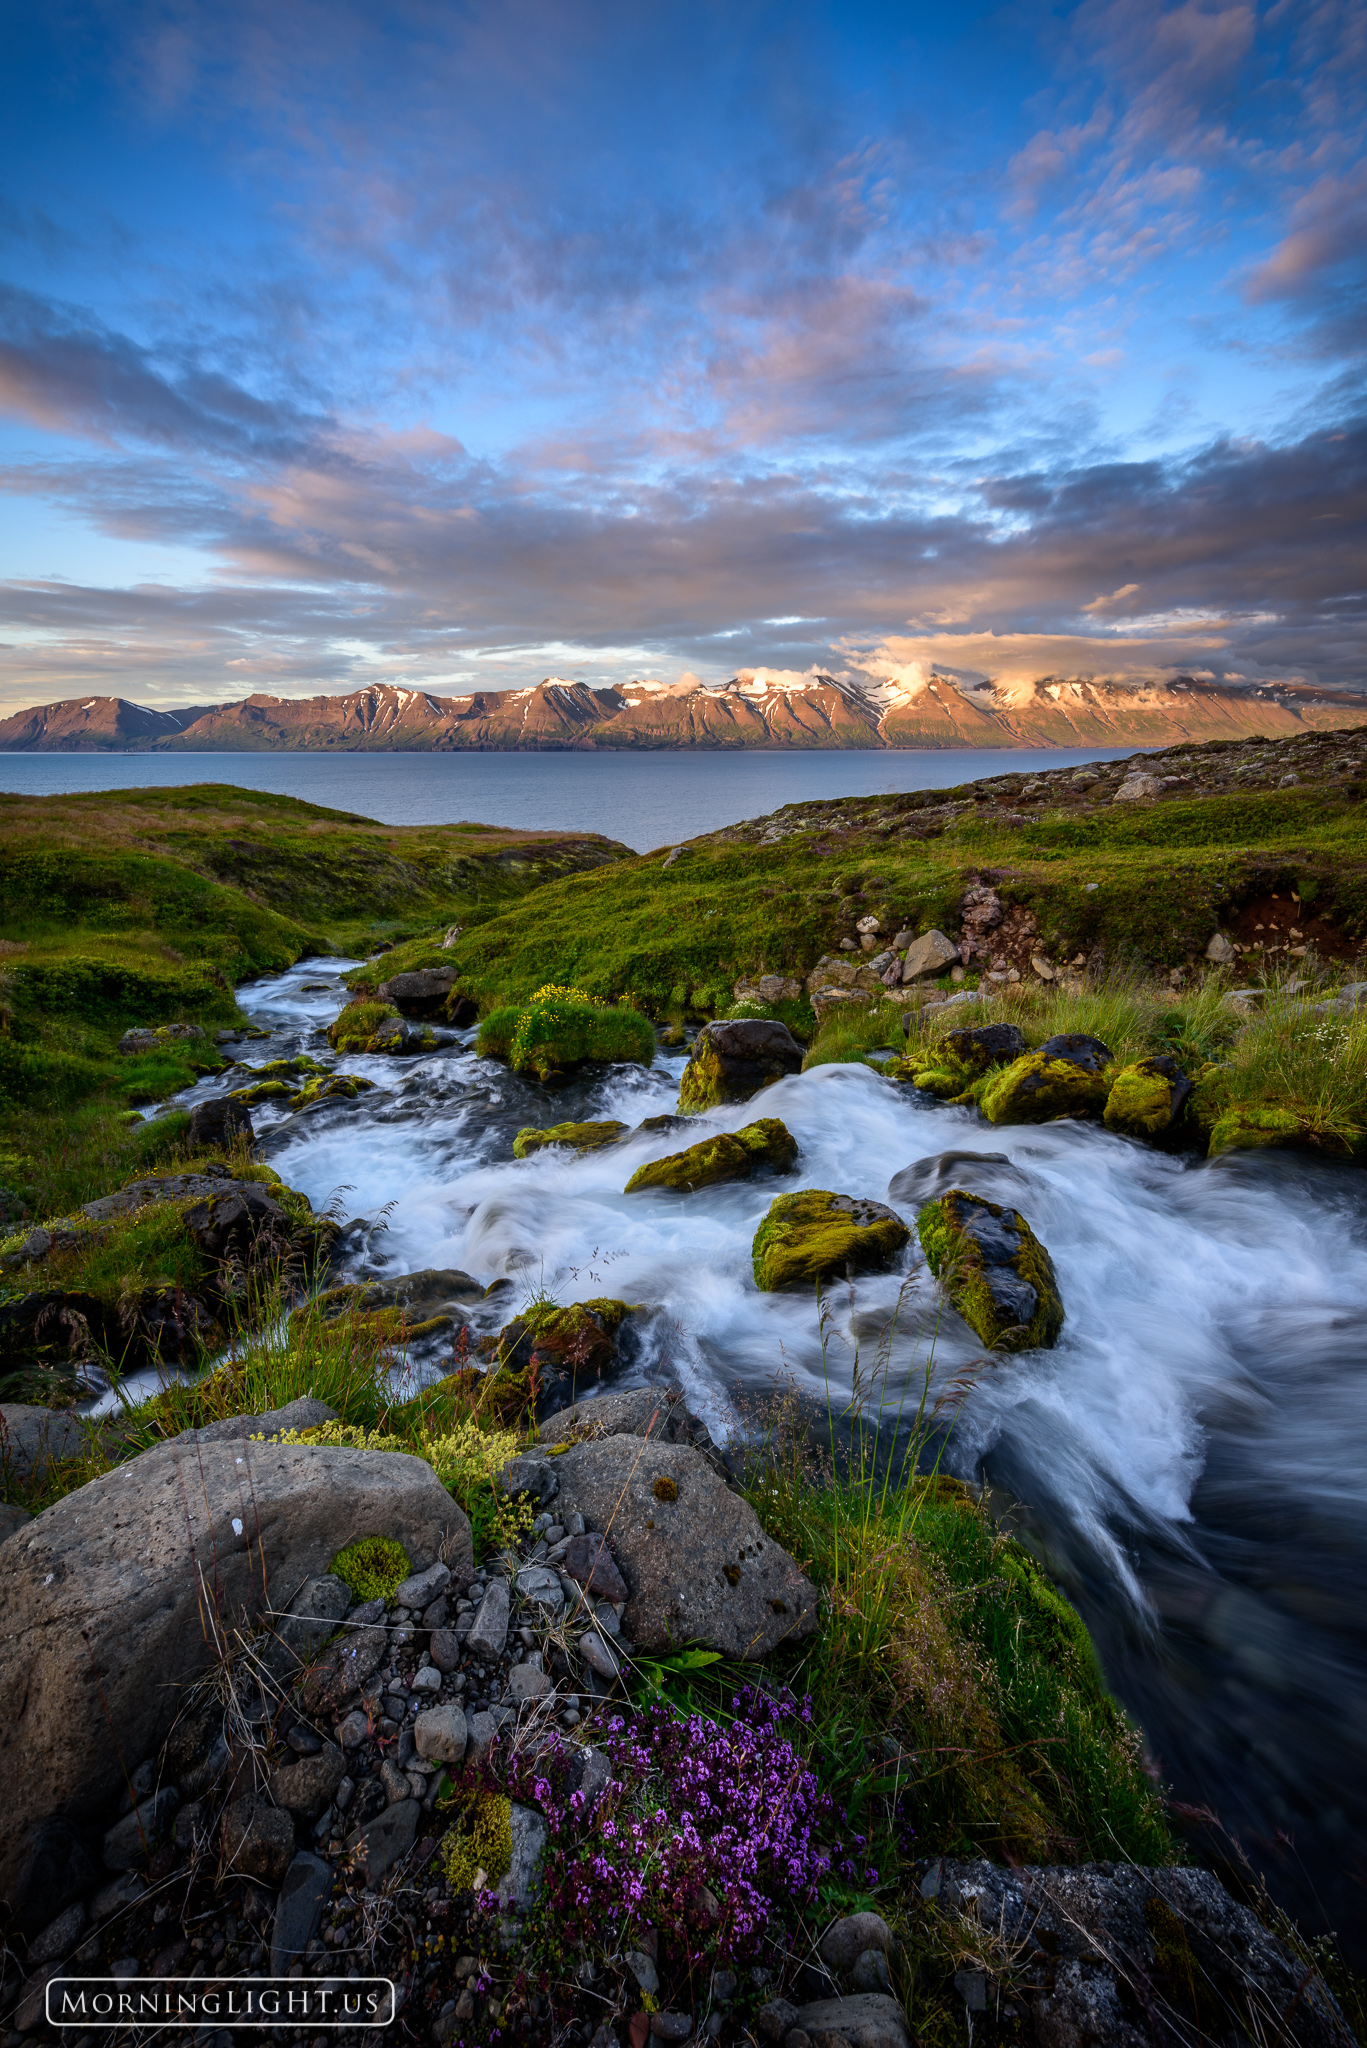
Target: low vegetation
[(146, 907)]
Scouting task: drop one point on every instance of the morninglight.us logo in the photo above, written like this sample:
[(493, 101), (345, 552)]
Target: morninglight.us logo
[(232, 2001)]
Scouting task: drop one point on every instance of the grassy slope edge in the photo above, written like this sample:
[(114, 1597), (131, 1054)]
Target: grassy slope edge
[(139, 907)]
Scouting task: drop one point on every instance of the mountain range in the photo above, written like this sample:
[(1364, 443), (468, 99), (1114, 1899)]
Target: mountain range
[(754, 709)]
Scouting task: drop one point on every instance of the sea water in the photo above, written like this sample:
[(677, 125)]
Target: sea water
[(645, 800)]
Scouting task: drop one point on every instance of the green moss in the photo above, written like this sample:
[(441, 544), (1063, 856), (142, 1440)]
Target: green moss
[(319, 1087), (261, 1091), (353, 1030), (1142, 1098), (817, 1235), (767, 1143), (1034, 1089), (372, 1567), (1248, 1129), (578, 1137), (477, 1851), (986, 1257)]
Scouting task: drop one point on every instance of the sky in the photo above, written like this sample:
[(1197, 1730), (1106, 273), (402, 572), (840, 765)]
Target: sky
[(457, 345)]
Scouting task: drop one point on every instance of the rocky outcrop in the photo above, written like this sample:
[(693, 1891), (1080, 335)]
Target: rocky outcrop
[(697, 1566), (106, 1599), (1108, 1952), (730, 1062), (994, 1269), (1147, 1097), (767, 1146), (817, 1236), (575, 1137)]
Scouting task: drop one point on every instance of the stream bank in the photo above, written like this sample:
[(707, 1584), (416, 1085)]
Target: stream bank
[(1189, 1459)]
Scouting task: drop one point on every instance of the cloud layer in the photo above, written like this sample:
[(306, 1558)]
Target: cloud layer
[(453, 349)]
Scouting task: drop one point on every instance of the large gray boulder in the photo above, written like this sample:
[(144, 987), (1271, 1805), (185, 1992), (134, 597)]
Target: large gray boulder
[(109, 1602), (698, 1567)]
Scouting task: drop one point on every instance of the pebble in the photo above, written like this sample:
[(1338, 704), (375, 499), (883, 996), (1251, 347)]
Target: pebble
[(428, 1679), (643, 1970), (525, 1682), (444, 1649), (441, 1734), (671, 2026), (597, 1655)]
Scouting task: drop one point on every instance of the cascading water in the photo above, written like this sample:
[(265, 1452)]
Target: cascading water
[(1191, 1460)]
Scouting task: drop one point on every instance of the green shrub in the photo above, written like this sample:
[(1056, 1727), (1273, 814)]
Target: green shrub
[(562, 1027), (372, 1568)]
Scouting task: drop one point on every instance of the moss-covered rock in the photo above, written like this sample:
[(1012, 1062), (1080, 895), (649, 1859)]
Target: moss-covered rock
[(731, 1062), (548, 1356), (1147, 1097), (1066, 1076), (994, 1269), (262, 1091), (949, 1068), (766, 1145), (354, 1029), (326, 1087), (1252, 1129), (578, 1137), (818, 1235)]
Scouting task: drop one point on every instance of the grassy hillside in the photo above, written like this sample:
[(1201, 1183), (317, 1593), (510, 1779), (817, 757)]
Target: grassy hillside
[(1139, 885), (143, 907)]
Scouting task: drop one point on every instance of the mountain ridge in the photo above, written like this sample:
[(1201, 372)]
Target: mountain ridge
[(755, 709)]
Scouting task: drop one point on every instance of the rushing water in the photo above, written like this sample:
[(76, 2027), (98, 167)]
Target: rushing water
[(1191, 1459), (646, 800)]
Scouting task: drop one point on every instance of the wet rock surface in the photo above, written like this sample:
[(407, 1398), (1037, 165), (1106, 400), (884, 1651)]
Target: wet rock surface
[(994, 1269), (819, 1235), (730, 1062)]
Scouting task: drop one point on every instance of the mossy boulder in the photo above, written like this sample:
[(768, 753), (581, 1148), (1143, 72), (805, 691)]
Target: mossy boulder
[(994, 1269), (1066, 1076), (766, 1145), (819, 1235), (329, 1087), (1147, 1097), (353, 1030), (730, 1062), (549, 1356), (262, 1091), (578, 1137), (949, 1068)]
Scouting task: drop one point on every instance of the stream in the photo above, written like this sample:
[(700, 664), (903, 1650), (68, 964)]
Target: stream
[(1190, 1462)]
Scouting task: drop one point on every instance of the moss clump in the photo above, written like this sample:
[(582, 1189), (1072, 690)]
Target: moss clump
[(261, 1091), (1037, 1088), (478, 1849), (578, 1137), (765, 1144), (994, 1269), (372, 1567), (357, 1025), (818, 1235), (950, 1067), (319, 1087), (561, 1028), (1146, 1097), (1248, 1129), (664, 1488)]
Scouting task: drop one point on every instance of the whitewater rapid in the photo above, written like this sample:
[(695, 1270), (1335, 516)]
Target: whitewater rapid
[(1190, 1460)]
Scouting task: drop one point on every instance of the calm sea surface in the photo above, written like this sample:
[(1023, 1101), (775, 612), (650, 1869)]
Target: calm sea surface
[(646, 800)]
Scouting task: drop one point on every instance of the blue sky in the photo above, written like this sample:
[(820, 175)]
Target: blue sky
[(459, 345)]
